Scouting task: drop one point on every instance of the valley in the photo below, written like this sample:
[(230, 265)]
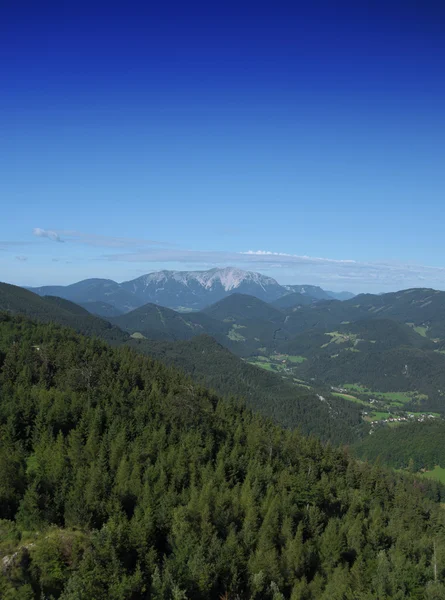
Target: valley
[(377, 408), (243, 395), (378, 360)]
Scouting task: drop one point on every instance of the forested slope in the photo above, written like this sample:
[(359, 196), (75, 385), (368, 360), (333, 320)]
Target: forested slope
[(121, 479), (49, 309), (204, 359), (329, 418), (417, 446), (160, 323)]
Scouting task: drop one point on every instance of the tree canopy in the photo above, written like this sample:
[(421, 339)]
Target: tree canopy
[(120, 478)]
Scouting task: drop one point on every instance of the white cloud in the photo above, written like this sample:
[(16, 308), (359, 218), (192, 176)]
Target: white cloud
[(293, 268), (21, 258), (332, 273), (47, 233), (295, 256)]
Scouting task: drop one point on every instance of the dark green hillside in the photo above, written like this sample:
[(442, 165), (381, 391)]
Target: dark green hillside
[(241, 307), (421, 307), (424, 309), (364, 336), (160, 323), (326, 314), (251, 337), (380, 355), (293, 299), (395, 369), (215, 367), (275, 399), (67, 305), (101, 309), (254, 325), (121, 479), (416, 446), (93, 290), (385, 333), (17, 300), (308, 344)]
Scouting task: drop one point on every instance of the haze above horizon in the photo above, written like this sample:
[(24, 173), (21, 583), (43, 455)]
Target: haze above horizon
[(305, 143)]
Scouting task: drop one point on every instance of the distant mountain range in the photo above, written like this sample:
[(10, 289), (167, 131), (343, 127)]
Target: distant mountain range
[(178, 339), (183, 290), (390, 343), (336, 369), (317, 293)]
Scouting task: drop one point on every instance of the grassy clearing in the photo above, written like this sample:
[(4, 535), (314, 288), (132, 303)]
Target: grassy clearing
[(379, 416), (276, 363), (438, 473), (420, 329), (339, 338), (393, 398), (350, 398), (296, 359), (138, 336), (263, 365), (234, 335)]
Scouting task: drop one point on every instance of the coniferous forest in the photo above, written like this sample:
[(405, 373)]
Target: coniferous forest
[(122, 479)]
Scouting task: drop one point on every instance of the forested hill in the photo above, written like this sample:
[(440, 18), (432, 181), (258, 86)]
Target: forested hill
[(422, 308), (332, 419), (49, 309), (122, 479), (416, 446), (160, 323), (329, 418)]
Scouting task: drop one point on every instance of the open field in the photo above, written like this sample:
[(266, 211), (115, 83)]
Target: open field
[(263, 365), (294, 359), (234, 334), (350, 398), (379, 415), (276, 362), (386, 407), (398, 398), (137, 336), (437, 473), (421, 330)]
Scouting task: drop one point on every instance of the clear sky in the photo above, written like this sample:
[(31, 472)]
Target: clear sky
[(305, 141)]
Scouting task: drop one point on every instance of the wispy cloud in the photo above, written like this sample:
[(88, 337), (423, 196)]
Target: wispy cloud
[(287, 268), (21, 258), (7, 245), (335, 273), (98, 241), (285, 255), (47, 233)]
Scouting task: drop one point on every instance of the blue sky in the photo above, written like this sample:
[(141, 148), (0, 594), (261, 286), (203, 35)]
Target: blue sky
[(305, 143)]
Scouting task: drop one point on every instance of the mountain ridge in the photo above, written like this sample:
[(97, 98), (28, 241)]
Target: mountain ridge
[(179, 290)]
